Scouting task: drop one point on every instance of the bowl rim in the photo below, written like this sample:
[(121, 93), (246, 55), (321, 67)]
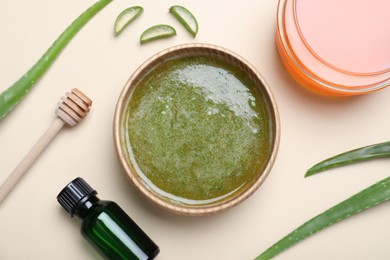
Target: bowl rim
[(205, 209)]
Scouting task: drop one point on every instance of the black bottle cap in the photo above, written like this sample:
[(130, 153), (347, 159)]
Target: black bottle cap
[(75, 194)]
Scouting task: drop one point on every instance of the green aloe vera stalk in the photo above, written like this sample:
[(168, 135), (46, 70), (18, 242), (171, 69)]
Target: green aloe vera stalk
[(373, 195), (357, 155), (157, 32), (186, 18), (126, 17), (10, 97)]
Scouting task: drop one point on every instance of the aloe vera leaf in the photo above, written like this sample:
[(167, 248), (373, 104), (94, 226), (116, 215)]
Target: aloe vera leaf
[(357, 155), (10, 97), (126, 17), (157, 32), (365, 199), (186, 18)]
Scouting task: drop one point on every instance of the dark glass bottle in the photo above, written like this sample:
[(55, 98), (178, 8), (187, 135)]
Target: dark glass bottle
[(105, 225)]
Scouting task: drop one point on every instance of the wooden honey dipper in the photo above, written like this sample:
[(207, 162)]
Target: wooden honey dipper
[(71, 110)]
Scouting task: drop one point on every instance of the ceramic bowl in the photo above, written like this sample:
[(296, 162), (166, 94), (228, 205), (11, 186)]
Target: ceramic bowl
[(137, 178)]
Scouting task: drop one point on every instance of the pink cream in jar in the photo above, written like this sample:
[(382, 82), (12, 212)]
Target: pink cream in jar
[(336, 47)]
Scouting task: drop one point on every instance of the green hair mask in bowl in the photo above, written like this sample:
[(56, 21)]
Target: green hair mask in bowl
[(196, 129)]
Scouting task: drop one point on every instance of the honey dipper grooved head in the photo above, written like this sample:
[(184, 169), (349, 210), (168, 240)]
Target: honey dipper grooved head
[(73, 107)]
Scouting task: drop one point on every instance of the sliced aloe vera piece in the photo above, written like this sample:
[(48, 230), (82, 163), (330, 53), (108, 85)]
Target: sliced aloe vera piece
[(186, 18), (126, 17), (157, 32), (365, 199)]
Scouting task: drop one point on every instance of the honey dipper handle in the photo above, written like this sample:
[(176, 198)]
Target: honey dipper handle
[(29, 159)]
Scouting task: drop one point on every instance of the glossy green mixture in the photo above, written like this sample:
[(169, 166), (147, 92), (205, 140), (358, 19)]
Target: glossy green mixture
[(197, 130)]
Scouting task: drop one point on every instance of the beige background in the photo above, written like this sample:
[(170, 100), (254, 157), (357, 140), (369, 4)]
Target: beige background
[(33, 225)]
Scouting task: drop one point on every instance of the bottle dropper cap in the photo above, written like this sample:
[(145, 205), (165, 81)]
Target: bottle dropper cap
[(75, 194)]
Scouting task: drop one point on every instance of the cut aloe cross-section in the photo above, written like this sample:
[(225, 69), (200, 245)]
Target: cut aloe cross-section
[(157, 32), (126, 17), (186, 18)]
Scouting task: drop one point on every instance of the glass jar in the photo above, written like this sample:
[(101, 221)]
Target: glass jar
[(335, 47)]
